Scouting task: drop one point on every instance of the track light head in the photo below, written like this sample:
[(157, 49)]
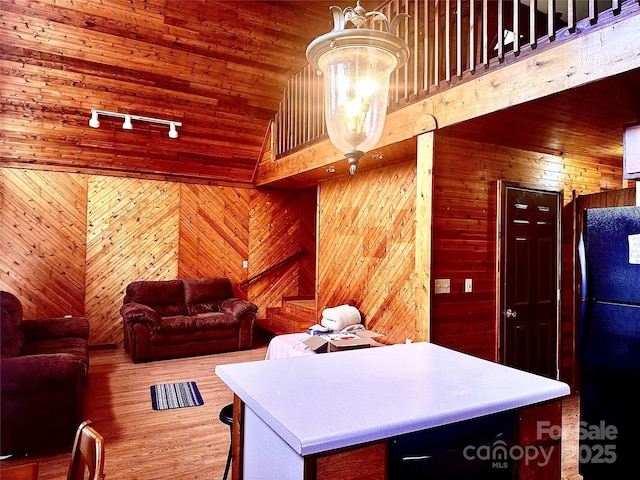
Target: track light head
[(173, 133), (93, 121), (127, 125)]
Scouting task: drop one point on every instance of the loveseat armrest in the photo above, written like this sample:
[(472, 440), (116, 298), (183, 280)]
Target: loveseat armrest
[(46, 329), (133, 313), (238, 307), (32, 373)]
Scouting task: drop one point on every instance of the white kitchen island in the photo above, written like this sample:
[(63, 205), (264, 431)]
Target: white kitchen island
[(319, 416)]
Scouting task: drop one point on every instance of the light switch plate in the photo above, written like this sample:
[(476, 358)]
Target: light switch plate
[(443, 285), (468, 285)]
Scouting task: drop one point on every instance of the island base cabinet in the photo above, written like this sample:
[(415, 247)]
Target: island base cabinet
[(541, 439), (361, 463)]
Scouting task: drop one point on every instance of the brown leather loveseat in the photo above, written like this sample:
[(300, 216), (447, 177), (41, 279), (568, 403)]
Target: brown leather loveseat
[(43, 372), (179, 318)]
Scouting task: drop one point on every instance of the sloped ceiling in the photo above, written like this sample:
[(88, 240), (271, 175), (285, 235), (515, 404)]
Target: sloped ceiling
[(219, 67)]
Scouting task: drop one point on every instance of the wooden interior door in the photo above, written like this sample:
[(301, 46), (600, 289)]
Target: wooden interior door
[(529, 278)]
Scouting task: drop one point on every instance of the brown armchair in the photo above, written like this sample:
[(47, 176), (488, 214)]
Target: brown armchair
[(43, 371), (179, 318)]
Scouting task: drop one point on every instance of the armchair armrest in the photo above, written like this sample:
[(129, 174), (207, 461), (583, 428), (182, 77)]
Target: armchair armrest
[(50, 328), (238, 307), (32, 373), (138, 313)]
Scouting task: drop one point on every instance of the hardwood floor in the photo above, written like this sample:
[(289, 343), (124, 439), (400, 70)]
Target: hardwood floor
[(187, 443)]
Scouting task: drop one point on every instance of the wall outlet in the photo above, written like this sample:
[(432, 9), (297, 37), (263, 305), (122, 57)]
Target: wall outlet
[(245, 264), (443, 285), (468, 285)]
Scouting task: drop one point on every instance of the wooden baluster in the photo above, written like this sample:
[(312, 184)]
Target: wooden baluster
[(289, 116), (447, 41), (416, 46), (500, 30), (485, 34), (294, 112), (459, 38), (533, 22), (436, 43), (283, 122), (307, 106), (405, 67), (427, 35), (472, 36), (314, 103), (389, 10), (516, 27), (571, 15), (593, 12), (321, 94), (616, 5), (551, 20), (278, 130), (309, 103), (301, 109)]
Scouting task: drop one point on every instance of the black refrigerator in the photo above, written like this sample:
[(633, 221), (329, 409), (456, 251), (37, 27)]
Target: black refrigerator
[(608, 343)]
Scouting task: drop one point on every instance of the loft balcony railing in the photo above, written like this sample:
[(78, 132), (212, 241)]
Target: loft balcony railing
[(451, 42)]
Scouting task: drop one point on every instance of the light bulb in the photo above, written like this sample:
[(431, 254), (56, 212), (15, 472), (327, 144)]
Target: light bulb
[(94, 122), (127, 125), (173, 133)]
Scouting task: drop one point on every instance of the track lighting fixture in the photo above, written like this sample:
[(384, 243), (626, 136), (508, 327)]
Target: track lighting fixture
[(94, 122)]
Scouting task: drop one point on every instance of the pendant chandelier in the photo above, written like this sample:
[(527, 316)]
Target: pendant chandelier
[(356, 64)]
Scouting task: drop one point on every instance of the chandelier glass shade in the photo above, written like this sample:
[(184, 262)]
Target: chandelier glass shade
[(356, 65)]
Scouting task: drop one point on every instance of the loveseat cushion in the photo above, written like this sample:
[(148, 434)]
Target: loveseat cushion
[(203, 295), (78, 348), (204, 321), (166, 297), (75, 346)]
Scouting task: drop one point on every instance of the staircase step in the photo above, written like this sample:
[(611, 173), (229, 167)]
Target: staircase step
[(280, 322), (303, 308), (294, 316)]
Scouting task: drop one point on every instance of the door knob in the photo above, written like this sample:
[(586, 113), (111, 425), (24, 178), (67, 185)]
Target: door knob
[(511, 313)]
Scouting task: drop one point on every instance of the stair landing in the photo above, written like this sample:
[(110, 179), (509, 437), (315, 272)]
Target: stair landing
[(294, 316)]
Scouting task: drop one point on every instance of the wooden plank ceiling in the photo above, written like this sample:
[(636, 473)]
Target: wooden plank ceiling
[(220, 67)]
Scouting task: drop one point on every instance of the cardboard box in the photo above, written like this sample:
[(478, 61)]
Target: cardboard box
[(338, 341)]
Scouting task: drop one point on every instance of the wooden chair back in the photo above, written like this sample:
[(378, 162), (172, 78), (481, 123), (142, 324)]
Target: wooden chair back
[(87, 456)]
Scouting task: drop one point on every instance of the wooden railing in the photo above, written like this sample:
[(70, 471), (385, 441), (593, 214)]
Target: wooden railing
[(278, 265), (451, 41)]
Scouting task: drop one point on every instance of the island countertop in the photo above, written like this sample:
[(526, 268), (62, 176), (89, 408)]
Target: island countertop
[(318, 403)]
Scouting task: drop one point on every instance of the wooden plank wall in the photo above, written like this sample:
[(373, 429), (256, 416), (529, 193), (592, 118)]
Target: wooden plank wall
[(366, 240), (464, 231), (366, 248), (132, 234), (214, 233), (70, 243), (42, 241), (67, 234)]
